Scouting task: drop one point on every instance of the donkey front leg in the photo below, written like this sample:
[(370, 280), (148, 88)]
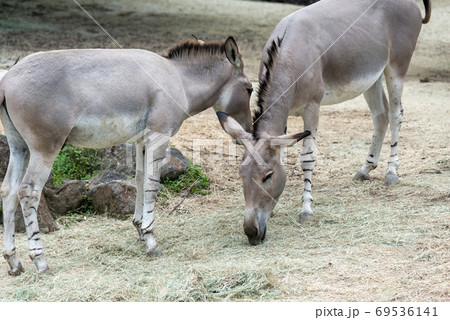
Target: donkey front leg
[(155, 153), (139, 206), (29, 195), (307, 158)]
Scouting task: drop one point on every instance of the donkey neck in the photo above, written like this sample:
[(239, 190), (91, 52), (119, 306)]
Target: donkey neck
[(271, 118), (203, 81), (274, 96)]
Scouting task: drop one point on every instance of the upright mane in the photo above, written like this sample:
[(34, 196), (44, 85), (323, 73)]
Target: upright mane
[(192, 48), (264, 82)]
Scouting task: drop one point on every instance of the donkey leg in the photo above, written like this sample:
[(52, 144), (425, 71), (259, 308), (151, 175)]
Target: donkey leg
[(155, 153), (139, 207), (378, 104), (10, 188), (29, 195), (395, 88), (307, 158)]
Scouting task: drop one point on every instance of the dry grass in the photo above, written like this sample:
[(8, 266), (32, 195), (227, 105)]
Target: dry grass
[(365, 243)]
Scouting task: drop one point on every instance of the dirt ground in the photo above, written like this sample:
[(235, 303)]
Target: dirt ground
[(365, 243)]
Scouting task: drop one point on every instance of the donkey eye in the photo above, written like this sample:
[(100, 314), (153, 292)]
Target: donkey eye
[(249, 90), (268, 176)]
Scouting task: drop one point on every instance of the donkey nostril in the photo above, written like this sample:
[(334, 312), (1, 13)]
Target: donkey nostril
[(263, 234), (251, 231), (254, 235)]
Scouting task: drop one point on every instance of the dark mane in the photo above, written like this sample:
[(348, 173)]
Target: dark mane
[(193, 48), (264, 81)]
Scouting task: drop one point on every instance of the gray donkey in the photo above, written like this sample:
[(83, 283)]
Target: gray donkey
[(99, 98), (326, 53)]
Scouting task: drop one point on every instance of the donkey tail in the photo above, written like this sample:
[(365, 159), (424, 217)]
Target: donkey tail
[(2, 97), (2, 100), (427, 4), (2, 93)]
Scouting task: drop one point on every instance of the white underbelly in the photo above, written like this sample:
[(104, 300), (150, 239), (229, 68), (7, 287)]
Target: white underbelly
[(104, 132), (337, 93)]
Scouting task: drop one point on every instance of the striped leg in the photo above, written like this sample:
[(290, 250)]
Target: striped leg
[(308, 163), (307, 158), (378, 104), (395, 89), (155, 153), (29, 195), (17, 162), (139, 207)]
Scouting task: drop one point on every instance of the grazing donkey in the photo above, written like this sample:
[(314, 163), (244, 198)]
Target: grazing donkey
[(99, 98), (326, 53)]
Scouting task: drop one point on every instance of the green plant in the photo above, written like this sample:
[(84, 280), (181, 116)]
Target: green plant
[(76, 164), (23, 294), (194, 181), (85, 210)]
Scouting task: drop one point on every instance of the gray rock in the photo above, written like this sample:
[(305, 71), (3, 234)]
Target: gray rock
[(176, 165), (19, 221), (46, 220), (115, 159), (4, 156), (121, 159), (112, 194), (64, 198)]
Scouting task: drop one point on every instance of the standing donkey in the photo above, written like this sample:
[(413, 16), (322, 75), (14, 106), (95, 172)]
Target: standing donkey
[(326, 53), (98, 98)]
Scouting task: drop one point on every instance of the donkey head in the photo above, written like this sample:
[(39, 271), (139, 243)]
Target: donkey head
[(262, 174), (235, 96)]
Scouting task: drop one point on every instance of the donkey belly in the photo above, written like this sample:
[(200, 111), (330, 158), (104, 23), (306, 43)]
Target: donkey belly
[(340, 92), (104, 132)]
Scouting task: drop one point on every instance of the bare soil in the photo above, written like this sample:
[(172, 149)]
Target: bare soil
[(366, 242)]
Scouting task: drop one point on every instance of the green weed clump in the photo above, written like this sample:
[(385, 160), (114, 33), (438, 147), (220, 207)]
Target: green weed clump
[(80, 214), (194, 181), (76, 164)]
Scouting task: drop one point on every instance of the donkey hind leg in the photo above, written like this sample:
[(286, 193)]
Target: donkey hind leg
[(155, 153), (378, 104), (18, 160), (307, 158), (29, 195), (139, 207), (394, 84), (10, 188)]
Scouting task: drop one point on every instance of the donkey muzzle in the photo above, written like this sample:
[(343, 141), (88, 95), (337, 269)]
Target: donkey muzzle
[(255, 226)]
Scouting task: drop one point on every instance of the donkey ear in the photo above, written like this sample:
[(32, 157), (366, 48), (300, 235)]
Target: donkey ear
[(288, 140), (232, 52), (232, 127)]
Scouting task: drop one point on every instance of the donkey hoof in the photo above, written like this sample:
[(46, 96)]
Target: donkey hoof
[(46, 272), (359, 176), (16, 271), (391, 179), (304, 216), (155, 253)]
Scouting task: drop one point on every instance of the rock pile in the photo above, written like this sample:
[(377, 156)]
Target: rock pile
[(112, 192)]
